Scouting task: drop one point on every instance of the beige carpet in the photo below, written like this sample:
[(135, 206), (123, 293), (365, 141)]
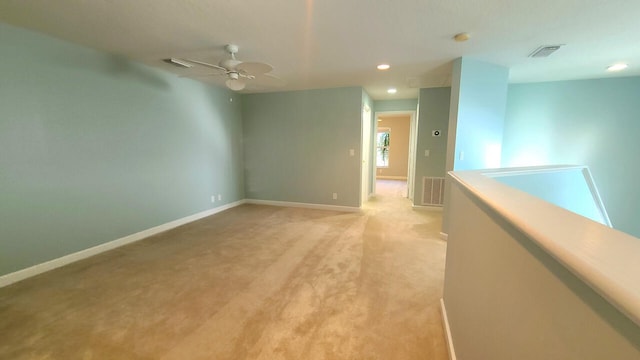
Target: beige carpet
[(253, 282)]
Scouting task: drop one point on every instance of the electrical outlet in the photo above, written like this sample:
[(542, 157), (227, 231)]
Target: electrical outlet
[(426, 153), (213, 198), (219, 196), (335, 196)]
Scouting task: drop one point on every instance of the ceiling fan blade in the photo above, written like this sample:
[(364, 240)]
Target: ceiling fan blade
[(201, 75), (254, 68), (246, 76), (206, 64), (267, 80)]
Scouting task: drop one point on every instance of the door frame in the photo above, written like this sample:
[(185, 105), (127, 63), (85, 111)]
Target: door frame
[(413, 140), (365, 161)]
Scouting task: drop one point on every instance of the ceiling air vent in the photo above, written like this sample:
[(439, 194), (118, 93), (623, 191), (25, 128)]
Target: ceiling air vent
[(544, 51)]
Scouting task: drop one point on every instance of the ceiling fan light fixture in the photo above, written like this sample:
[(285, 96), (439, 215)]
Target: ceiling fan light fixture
[(235, 84)]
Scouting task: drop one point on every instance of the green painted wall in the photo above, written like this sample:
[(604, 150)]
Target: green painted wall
[(433, 115), (395, 105), (586, 122), (297, 146), (93, 148)]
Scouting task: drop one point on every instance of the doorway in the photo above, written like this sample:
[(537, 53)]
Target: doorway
[(394, 148)]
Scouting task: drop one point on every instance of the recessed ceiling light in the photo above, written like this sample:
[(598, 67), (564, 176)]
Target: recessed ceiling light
[(384, 67), (617, 67), (461, 37), (392, 90)]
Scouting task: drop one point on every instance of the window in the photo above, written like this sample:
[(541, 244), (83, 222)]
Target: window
[(382, 147)]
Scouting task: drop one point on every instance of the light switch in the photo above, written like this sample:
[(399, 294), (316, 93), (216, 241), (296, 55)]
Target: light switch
[(426, 153), (352, 152)]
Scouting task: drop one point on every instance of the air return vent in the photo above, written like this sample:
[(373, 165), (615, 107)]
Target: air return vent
[(544, 51), (433, 191)]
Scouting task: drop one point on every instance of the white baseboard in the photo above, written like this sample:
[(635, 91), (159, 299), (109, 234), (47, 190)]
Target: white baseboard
[(83, 254), (427, 208), (444, 236), (384, 177), (303, 205), (447, 331)]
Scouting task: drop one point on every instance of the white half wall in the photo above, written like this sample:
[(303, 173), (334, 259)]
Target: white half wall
[(528, 280)]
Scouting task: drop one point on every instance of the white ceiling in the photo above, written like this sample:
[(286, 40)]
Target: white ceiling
[(336, 43)]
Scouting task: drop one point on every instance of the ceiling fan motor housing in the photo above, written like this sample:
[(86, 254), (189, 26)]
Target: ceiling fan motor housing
[(229, 63), (231, 48)]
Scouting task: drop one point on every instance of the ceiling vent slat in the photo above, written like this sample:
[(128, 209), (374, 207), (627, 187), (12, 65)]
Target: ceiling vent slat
[(544, 51)]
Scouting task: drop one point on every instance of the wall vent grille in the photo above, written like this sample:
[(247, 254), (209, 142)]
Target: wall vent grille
[(433, 191)]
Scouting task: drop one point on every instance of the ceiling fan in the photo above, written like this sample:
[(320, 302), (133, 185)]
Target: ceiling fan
[(238, 73)]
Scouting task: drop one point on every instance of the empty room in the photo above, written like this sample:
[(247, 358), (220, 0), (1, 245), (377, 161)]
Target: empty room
[(319, 180)]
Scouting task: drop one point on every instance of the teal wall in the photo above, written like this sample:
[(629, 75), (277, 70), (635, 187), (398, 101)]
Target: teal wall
[(476, 118), (433, 115), (585, 122), (569, 188), (297, 146), (93, 148), (454, 99), (482, 99)]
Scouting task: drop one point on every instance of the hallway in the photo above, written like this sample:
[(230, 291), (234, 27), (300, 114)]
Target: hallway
[(391, 188), (253, 282)]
